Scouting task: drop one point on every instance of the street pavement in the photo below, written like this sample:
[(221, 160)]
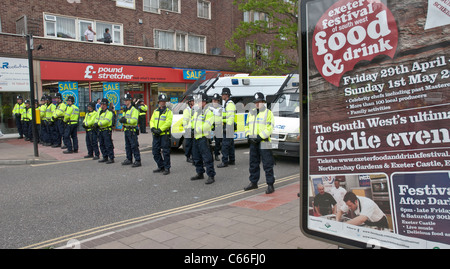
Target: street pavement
[(258, 221)]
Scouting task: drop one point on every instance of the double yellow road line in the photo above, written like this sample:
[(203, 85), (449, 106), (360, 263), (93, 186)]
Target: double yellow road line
[(120, 224)]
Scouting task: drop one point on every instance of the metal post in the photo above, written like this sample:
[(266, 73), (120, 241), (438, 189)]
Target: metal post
[(32, 95)]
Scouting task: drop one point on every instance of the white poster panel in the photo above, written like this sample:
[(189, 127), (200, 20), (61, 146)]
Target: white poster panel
[(14, 75)]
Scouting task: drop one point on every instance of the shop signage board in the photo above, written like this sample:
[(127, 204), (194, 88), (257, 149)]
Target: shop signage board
[(14, 75), (111, 91), (69, 88), (376, 117), (63, 71)]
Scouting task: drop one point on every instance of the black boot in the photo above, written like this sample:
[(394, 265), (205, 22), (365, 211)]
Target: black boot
[(198, 176), (210, 180), (136, 164), (127, 162), (251, 186), (159, 170), (270, 189)]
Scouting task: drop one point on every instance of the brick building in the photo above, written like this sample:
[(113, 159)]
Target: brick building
[(157, 46)]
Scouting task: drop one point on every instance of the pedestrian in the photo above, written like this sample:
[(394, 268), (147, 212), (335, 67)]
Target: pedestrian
[(142, 113), (91, 132), (42, 110), (71, 120), (160, 124), (229, 112), (104, 125), (89, 34), (202, 123), (58, 118), (258, 128), (131, 131), (51, 128), (18, 109), (188, 114), (27, 121), (107, 36), (216, 109), (98, 105)]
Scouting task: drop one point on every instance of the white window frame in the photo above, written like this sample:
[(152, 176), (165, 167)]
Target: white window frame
[(199, 7), (171, 10), (177, 44), (116, 30), (151, 6)]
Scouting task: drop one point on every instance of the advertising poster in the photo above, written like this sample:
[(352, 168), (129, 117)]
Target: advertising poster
[(376, 78), (14, 75), (111, 91), (69, 88)]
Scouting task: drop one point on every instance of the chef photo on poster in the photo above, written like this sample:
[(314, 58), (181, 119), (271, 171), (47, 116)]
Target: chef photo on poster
[(377, 80)]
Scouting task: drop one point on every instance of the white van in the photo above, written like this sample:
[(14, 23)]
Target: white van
[(243, 88), (285, 138)]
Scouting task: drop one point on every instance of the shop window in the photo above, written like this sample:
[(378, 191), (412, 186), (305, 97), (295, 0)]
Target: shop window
[(204, 9)]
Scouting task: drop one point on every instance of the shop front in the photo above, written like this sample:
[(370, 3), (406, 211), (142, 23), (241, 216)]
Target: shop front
[(14, 81), (91, 82)]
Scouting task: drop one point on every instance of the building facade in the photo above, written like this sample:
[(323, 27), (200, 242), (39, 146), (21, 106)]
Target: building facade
[(156, 46)]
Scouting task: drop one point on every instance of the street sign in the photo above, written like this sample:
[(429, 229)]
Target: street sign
[(375, 123)]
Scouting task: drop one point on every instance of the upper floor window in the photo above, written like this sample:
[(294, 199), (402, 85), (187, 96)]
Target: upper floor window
[(156, 5), (76, 29), (180, 41), (254, 16), (204, 9)]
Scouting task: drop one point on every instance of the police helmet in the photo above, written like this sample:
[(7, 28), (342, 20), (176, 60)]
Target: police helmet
[(71, 98), (58, 95), (44, 97), (49, 98), (226, 91), (104, 101), (190, 98), (27, 101), (127, 96), (163, 98), (204, 96), (217, 97), (91, 104), (259, 96), (20, 97)]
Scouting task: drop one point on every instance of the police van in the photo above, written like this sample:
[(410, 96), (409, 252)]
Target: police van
[(285, 138), (243, 88)]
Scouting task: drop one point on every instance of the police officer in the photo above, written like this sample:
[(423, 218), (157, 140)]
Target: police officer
[(43, 126), (130, 125), (160, 125), (104, 125), (202, 123), (142, 113), (188, 114), (91, 132), (58, 118), (71, 120), (18, 109), (51, 130), (216, 108), (26, 120), (229, 111), (258, 128)]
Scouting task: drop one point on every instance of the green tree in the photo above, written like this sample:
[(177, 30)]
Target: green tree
[(271, 29)]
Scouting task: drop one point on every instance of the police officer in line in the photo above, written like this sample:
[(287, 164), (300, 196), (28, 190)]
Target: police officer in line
[(160, 125), (51, 128), (188, 114), (71, 121), (58, 118), (91, 132), (18, 109), (258, 128), (216, 109), (142, 113), (42, 110), (26, 120), (38, 124), (229, 112), (104, 125), (202, 124), (131, 129)]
